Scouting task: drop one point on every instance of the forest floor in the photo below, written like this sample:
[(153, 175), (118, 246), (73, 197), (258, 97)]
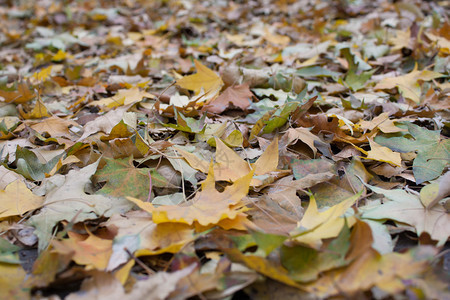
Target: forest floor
[(224, 149)]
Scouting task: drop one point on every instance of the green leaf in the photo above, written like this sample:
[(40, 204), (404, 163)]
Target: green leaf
[(433, 153), (280, 117), (66, 199), (29, 166), (316, 71), (355, 79), (188, 124), (124, 179), (7, 252), (305, 264)]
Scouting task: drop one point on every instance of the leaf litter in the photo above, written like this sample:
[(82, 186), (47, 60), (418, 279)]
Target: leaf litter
[(224, 150)]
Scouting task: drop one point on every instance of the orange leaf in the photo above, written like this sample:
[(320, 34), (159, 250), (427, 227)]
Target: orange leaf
[(22, 95), (93, 252)]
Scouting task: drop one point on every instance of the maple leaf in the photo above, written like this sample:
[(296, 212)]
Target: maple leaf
[(230, 166), (93, 252), (433, 153), (123, 97), (137, 233), (54, 126), (305, 264), (381, 122), (316, 226), (380, 153), (11, 281), (369, 269), (30, 166), (187, 124), (124, 179), (407, 208), (208, 206), (17, 199), (204, 79), (22, 95), (104, 123), (237, 96), (39, 111), (408, 84), (66, 199)]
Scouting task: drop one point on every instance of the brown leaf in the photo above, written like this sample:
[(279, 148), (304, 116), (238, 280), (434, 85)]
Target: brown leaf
[(237, 96)]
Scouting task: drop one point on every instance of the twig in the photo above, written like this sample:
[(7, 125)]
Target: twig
[(140, 263)]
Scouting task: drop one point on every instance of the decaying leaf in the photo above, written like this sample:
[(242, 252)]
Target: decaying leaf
[(224, 149), (208, 207), (407, 208)]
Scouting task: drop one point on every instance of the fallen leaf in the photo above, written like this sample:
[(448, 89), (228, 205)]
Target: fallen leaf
[(137, 233), (124, 179), (208, 206), (158, 286), (305, 264), (11, 282), (407, 208), (383, 154), (104, 123), (408, 84), (316, 226), (93, 252), (204, 79), (55, 127), (432, 193), (22, 95), (17, 199), (301, 134), (432, 151), (67, 200), (234, 96), (123, 97)]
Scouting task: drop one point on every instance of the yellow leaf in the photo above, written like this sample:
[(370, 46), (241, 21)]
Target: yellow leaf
[(381, 122), (384, 154), (61, 55), (42, 75), (17, 199), (140, 235), (11, 282), (229, 165), (262, 266), (208, 206), (442, 43), (39, 111), (205, 79), (408, 84), (268, 161), (315, 225), (124, 271), (401, 40), (22, 95), (123, 97)]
